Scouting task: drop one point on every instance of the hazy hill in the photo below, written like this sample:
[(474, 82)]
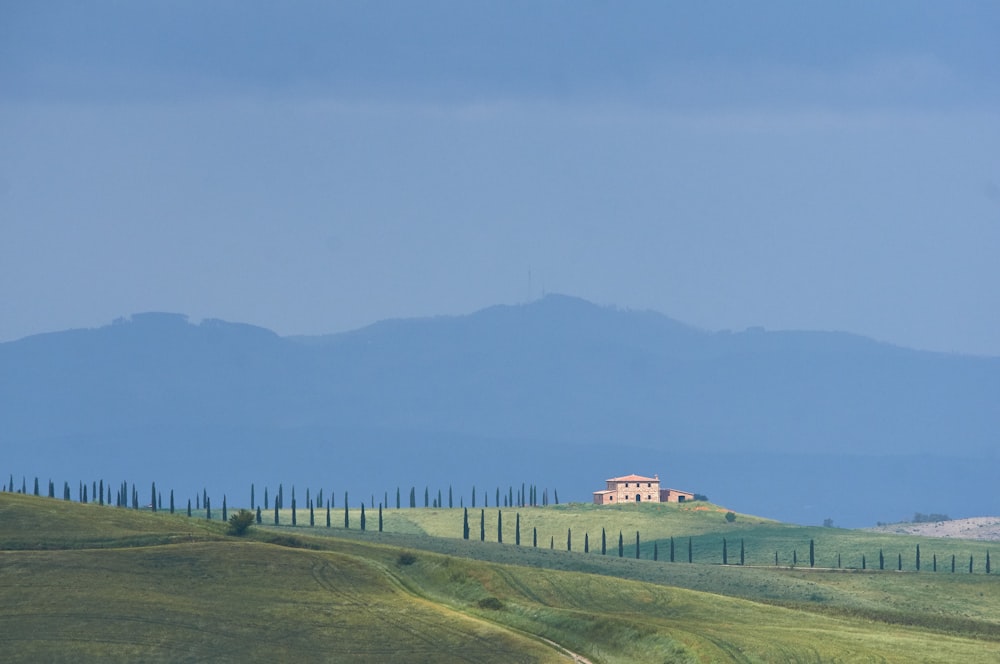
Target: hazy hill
[(559, 392)]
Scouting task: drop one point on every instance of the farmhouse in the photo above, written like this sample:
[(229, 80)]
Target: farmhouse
[(638, 489)]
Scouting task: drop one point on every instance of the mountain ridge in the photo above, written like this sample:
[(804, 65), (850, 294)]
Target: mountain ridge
[(579, 386)]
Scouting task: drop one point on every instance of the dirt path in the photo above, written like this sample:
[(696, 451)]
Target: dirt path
[(985, 528)]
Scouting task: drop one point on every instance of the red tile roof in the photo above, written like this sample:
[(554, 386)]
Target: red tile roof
[(633, 478)]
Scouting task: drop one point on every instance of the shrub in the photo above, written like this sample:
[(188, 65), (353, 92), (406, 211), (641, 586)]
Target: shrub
[(491, 603), (730, 516), (240, 522), (406, 558)]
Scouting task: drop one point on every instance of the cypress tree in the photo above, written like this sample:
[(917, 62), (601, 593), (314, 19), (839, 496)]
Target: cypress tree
[(208, 509), (312, 515), (838, 560), (189, 507), (328, 514), (259, 521), (690, 552), (253, 502), (586, 542), (812, 554), (795, 557), (987, 561), (266, 506), (482, 525), (555, 493), (517, 530), (100, 493), (473, 497), (84, 493), (637, 545), (656, 551), (499, 526), (881, 560), (934, 562), (671, 548), (621, 545), (465, 523), (552, 542), (534, 537), (380, 517), (743, 553), (36, 486), (498, 496), (953, 563), (725, 552), (171, 501), (427, 495), (775, 558), (295, 516), (440, 504), (413, 496), (224, 515), (450, 505), (970, 564), (363, 520), (66, 495), (604, 543), (569, 539), (397, 497), (510, 495), (899, 564), (347, 514), (864, 562), (276, 510), (918, 557)]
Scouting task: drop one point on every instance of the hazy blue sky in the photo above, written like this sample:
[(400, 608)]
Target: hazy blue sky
[(313, 167)]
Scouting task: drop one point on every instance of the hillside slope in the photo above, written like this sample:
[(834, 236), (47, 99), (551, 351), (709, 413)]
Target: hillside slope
[(287, 595)]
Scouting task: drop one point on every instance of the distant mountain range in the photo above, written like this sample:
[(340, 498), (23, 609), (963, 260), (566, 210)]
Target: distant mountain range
[(558, 392)]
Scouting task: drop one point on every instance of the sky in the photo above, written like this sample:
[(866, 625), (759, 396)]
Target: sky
[(313, 167)]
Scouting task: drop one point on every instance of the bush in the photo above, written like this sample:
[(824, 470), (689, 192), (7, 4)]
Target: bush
[(730, 516), (491, 603), (406, 558), (240, 522)]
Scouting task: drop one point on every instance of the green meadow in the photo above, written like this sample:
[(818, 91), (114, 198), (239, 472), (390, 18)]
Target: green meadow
[(94, 583)]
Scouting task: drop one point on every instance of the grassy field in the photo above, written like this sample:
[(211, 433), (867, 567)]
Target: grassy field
[(85, 582)]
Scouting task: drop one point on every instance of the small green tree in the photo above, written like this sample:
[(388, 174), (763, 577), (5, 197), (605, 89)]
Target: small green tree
[(812, 553), (363, 520), (465, 523), (240, 522), (621, 545), (730, 516)]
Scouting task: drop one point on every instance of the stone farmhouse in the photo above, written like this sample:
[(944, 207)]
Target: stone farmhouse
[(638, 489)]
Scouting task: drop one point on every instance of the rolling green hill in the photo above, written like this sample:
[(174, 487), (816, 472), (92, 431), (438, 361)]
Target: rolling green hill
[(94, 583)]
